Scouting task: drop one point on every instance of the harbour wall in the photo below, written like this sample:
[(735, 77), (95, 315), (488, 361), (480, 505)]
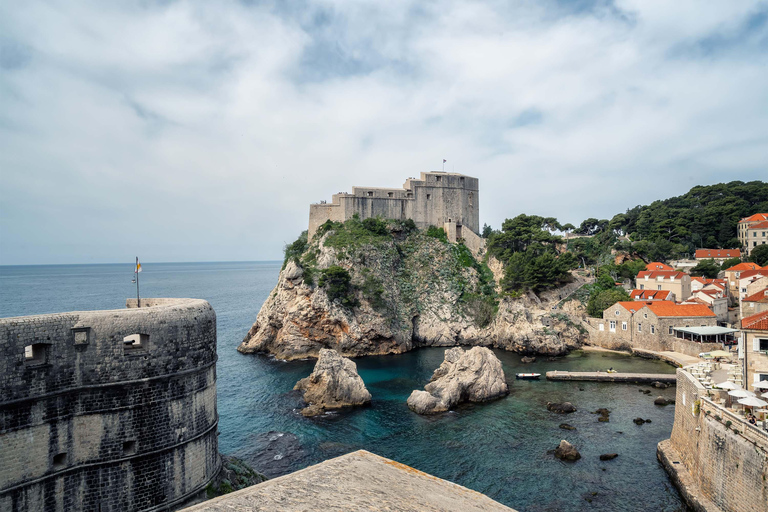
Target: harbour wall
[(109, 410), (719, 461)]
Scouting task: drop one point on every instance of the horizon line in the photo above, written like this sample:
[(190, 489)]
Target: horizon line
[(132, 263)]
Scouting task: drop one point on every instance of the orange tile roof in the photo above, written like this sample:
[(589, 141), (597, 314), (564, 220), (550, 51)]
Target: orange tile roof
[(758, 322), (761, 296), (693, 300), (717, 253), (752, 218), (710, 292), (657, 265), (759, 225), (743, 266), (650, 294), (632, 306), (664, 308), (653, 274), (757, 272)]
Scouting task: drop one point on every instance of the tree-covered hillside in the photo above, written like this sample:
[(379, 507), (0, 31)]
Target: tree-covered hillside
[(705, 216)]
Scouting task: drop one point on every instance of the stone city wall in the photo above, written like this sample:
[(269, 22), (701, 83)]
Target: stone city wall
[(92, 421), (723, 467)]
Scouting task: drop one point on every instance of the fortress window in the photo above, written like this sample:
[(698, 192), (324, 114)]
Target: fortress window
[(438, 178), (409, 194), (428, 196), (129, 447), (136, 342), (461, 179), (59, 460), (37, 353), (370, 194), (390, 194)]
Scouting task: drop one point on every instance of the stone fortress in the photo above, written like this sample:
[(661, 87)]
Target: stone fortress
[(441, 199), (109, 410)]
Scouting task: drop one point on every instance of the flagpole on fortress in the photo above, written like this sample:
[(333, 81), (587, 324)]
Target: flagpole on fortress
[(136, 271), (444, 160)]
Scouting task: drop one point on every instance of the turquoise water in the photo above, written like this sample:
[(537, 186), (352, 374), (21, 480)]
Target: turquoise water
[(499, 448)]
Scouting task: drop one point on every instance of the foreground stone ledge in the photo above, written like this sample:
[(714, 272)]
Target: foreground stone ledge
[(678, 473), (353, 482)]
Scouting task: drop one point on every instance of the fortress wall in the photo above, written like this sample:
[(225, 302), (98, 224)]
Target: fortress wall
[(725, 469), (93, 422), (430, 201)]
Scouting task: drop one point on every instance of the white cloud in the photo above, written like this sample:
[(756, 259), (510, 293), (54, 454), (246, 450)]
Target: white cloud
[(194, 131)]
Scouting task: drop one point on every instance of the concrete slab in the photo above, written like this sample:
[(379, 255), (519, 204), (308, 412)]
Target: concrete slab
[(354, 482), (638, 378)]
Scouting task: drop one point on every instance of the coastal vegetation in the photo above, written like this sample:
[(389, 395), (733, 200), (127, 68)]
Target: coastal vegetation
[(382, 262)]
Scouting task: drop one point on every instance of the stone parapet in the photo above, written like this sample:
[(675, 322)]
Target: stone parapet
[(108, 410)]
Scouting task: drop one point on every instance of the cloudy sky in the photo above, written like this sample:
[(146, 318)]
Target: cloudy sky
[(197, 130)]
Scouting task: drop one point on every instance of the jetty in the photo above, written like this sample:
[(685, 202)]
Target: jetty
[(637, 378)]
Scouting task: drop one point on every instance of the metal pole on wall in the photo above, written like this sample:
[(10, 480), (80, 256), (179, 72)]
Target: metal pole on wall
[(136, 271)]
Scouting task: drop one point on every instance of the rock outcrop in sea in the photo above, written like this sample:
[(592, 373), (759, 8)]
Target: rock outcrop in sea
[(566, 451), (387, 292), (333, 384), (474, 375)]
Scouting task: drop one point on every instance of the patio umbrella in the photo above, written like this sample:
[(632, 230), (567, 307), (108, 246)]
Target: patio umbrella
[(720, 353), (727, 385), (752, 401), (741, 393), (763, 384), (764, 395)]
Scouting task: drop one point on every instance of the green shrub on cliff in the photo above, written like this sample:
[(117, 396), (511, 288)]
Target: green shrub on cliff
[(296, 249), (336, 282), (438, 233)]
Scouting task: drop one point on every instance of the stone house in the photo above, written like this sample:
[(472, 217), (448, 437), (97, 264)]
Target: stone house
[(755, 303), (748, 277), (757, 285), (714, 300), (650, 325), (676, 282), (701, 283), (732, 275), (755, 332), (719, 255), (753, 231)]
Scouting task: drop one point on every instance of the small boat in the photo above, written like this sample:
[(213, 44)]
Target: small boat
[(611, 370), (528, 376)]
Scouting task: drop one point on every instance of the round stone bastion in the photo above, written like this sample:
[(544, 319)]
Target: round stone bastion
[(109, 410)]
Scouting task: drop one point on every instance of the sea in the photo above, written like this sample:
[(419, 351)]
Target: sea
[(502, 449)]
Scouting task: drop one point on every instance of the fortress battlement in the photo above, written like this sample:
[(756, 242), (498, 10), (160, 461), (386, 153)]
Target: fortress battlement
[(109, 410), (436, 198)]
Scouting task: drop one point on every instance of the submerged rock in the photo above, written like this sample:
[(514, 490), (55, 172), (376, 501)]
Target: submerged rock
[(474, 375), (333, 384), (561, 408), (660, 400), (274, 453), (566, 451), (640, 421), (566, 426), (609, 456), (660, 385), (604, 415), (526, 359)]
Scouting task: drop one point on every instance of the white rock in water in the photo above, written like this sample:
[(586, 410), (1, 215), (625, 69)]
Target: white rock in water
[(333, 384), (475, 376)]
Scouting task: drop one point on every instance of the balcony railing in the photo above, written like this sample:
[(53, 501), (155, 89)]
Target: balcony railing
[(751, 433)]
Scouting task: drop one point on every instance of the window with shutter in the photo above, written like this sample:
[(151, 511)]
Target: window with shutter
[(756, 345)]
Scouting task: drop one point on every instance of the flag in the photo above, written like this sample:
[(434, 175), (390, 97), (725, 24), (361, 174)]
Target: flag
[(138, 268), (444, 160)]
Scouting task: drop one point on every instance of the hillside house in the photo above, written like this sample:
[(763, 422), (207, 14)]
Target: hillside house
[(732, 275), (719, 255), (748, 277), (753, 231), (657, 265), (755, 332), (755, 303), (678, 283), (642, 295)]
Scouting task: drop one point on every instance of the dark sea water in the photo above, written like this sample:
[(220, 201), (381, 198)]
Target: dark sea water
[(499, 448)]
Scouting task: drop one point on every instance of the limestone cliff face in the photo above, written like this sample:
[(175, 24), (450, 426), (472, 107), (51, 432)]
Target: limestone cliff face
[(411, 290)]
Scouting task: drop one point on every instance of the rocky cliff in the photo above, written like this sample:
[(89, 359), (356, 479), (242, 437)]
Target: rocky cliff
[(364, 288)]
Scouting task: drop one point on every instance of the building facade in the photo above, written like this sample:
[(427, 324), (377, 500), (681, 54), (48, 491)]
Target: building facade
[(719, 255), (753, 231), (678, 283), (109, 410), (435, 199), (755, 332)]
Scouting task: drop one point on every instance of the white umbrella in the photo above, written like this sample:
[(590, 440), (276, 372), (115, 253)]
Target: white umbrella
[(741, 393), (764, 395), (752, 401), (727, 385), (763, 384)]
